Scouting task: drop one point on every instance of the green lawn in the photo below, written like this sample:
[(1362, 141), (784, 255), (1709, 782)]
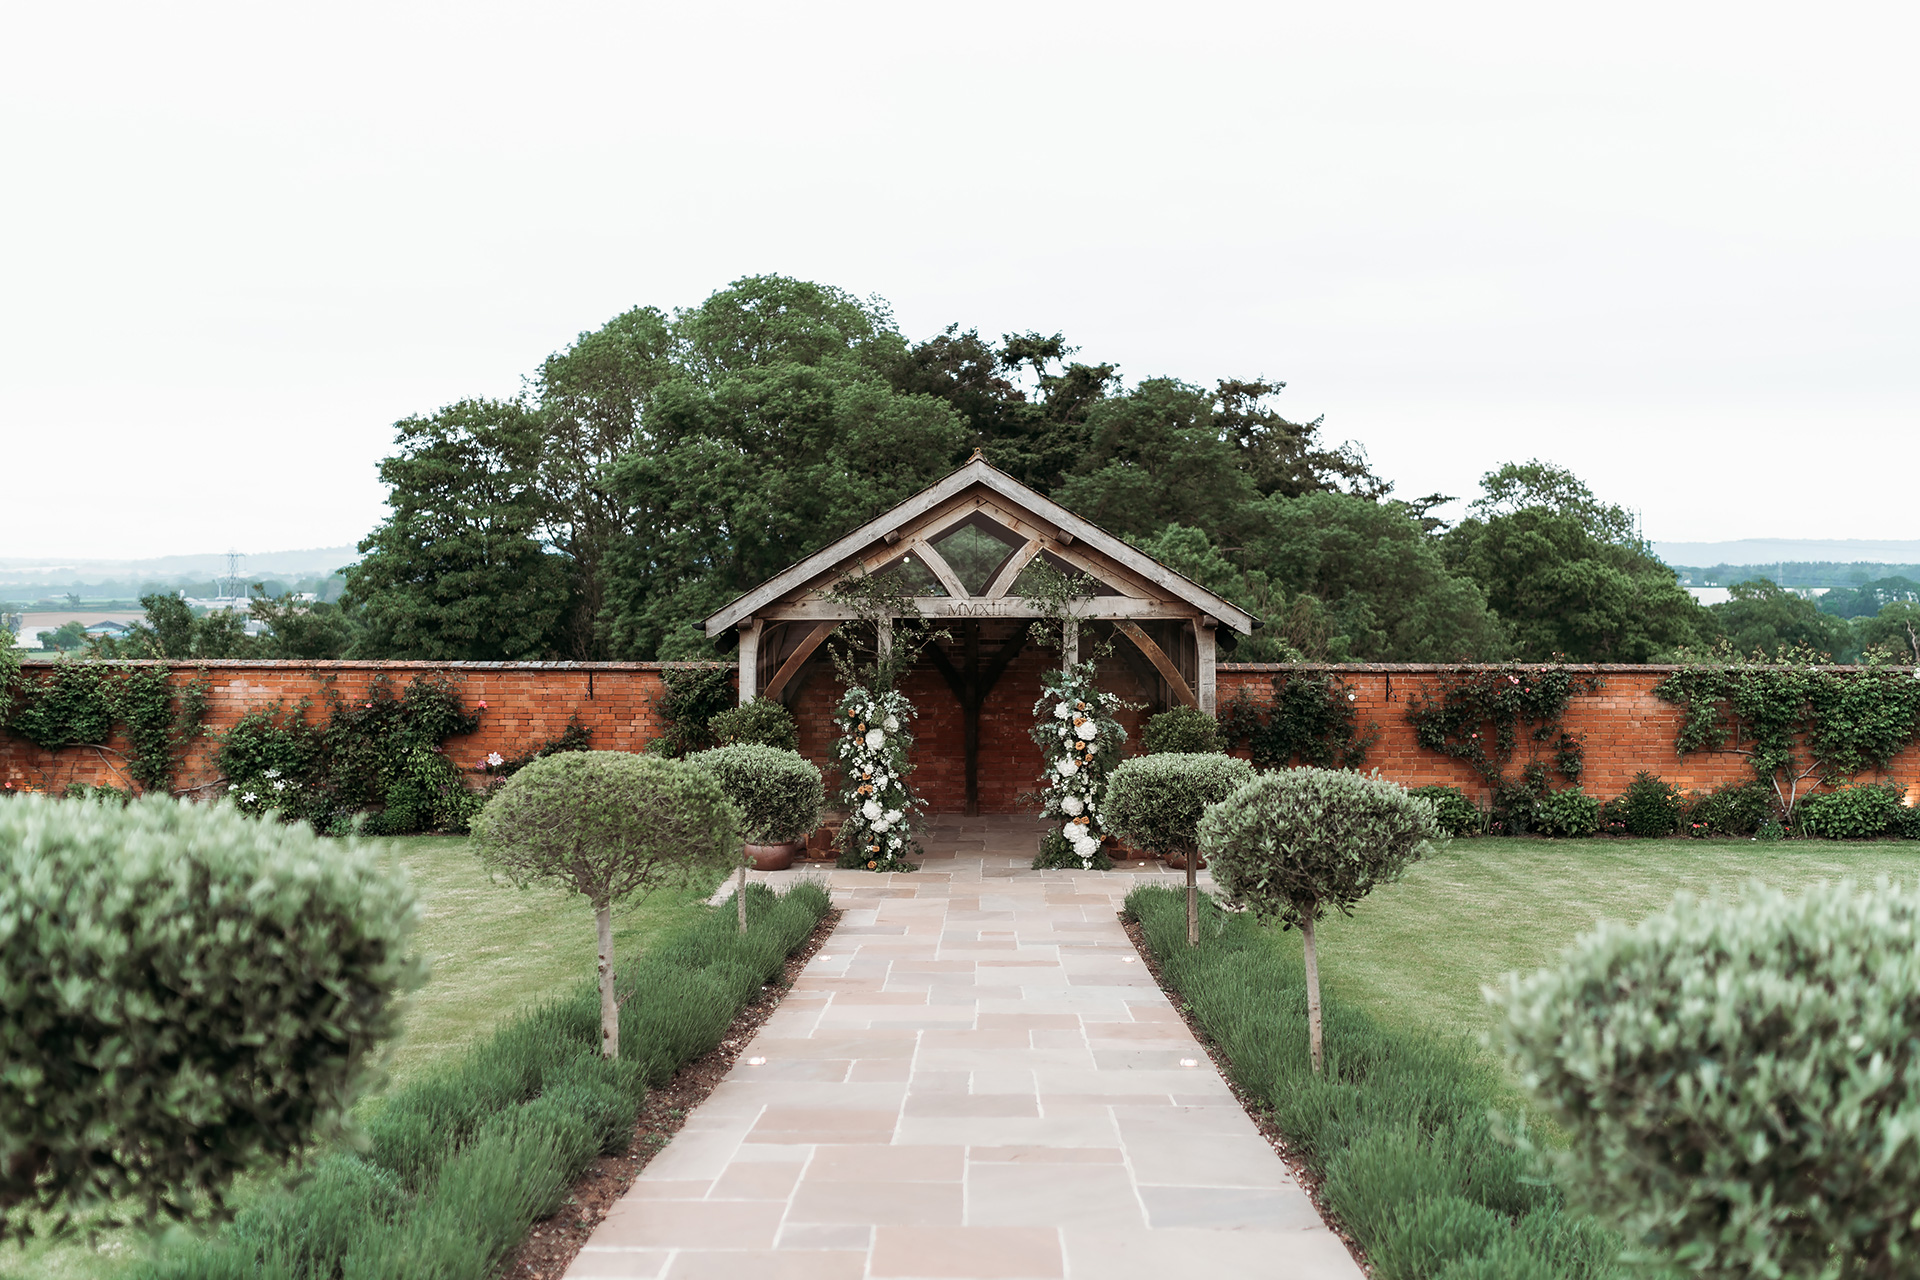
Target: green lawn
[(1420, 950), (493, 950)]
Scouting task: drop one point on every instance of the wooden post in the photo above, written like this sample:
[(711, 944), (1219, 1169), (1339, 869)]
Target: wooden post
[(883, 639), (749, 659), (1069, 643), (1203, 636)]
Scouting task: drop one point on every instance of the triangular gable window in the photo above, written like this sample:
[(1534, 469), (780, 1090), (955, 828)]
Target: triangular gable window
[(910, 577), (1026, 583), (976, 549)]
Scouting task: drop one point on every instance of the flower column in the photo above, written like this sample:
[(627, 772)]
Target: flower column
[(873, 754), (1080, 739)]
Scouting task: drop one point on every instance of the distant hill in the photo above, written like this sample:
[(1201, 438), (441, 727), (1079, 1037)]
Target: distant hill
[(1802, 550), (41, 573)]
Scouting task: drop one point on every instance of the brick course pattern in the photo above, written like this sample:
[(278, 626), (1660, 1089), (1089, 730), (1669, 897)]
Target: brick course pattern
[(1624, 727)]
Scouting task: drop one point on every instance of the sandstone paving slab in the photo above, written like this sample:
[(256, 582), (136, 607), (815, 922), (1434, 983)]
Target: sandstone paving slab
[(976, 1079)]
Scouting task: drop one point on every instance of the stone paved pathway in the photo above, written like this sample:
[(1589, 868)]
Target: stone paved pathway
[(975, 1078)]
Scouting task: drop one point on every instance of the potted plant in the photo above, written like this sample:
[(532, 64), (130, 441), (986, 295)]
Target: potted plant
[(779, 794)]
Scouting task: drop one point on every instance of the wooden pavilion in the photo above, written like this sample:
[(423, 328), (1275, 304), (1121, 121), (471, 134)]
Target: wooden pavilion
[(964, 546)]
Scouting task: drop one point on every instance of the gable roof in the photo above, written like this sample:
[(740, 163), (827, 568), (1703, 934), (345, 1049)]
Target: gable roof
[(977, 471)]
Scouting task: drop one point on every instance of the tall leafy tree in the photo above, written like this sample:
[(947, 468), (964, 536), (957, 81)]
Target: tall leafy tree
[(1567, 572), (458, 571), (1766, 618)]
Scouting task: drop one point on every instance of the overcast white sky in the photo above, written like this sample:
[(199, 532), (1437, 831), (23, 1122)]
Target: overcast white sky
[(1674, 247)]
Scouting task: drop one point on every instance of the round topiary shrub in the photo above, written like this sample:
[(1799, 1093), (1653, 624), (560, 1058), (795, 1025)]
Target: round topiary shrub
[(779, 793), (185, 993), (1182, 731), (1740, 1079), (1295, 844), (1156, 803), (761, 721), (607, 824)]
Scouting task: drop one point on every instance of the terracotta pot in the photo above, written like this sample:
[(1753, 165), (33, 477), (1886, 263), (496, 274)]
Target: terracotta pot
[(774, 857), (1178, 862)]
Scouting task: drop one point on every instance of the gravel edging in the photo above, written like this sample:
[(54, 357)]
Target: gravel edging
[(552, 1244)]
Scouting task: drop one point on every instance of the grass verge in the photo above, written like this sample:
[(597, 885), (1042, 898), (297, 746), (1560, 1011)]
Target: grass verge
[(469, 1153), (1401, 1130)]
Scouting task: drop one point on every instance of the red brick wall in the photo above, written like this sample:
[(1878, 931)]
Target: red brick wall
[(1624, 726)]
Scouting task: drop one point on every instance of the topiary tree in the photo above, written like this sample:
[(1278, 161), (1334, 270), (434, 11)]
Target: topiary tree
[(1156, 802), (779, 795), (607, 825), (762, 721), (185, 993), (1293, 845), (1184, 730), (1740, 1080)]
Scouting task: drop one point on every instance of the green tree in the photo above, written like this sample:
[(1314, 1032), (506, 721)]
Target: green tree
[(171, 630), (1296, 844), (65, 638), (458, 571), (301, 629), (1567, 573), (1895, 629), (608, 824), (1765, 618), (1865, 599)]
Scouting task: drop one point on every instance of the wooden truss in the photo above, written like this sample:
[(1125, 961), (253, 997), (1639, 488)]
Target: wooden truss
[(965, 541)]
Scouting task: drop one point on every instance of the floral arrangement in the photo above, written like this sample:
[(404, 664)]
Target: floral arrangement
[(873, 748), (1080, 740)]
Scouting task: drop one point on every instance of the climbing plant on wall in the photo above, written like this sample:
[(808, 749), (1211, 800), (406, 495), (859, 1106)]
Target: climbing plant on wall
[(1797, 720), (1310, 719), (81, 704), (1485, 715)]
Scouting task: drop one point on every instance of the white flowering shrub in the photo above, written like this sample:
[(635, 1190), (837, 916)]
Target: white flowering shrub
[(1741, 1080), (874, 758), (1080, 741)]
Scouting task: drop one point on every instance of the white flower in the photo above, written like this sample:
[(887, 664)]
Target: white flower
[(893, 815), (279, 785), (876, 739), (1073, 806), (1062, 711), (891, 724), (248, 798), (1067, 768), (882, 826), (271, 773), (233, 786), (880, 780), (1088, 731), (495, 759), (871, 811)]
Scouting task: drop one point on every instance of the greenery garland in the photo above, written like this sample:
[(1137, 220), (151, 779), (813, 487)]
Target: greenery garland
[(1477, 715), (1797, 720), (1079, 739), (874, 754)]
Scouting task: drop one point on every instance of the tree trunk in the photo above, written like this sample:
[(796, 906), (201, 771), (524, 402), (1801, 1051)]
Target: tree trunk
[(740, 892), (1193, 896), (609, 1007), (1313, 992)]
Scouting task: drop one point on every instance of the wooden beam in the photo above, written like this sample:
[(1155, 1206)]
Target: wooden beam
[(1003, 581), (1161, 662), (1203, 636), (941, 569), (798, 658), (749, 658), (1089, 607)]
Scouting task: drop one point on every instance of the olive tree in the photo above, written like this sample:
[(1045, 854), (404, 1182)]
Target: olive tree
[(1295, 844), (778, 792), (1156, 802), (607, 825), (186, 993), (1740, 1079)]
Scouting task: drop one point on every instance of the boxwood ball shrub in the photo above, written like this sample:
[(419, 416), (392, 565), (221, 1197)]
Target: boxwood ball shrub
[(1293, 845), (1156, 801), (1571, 812), (607, 824), (185, 993), (779, 794), (1186, 730), (762, 721), (1741, 1080)]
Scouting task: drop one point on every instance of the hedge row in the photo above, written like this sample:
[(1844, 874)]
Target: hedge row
[(463, 1161), (1400, 1127)]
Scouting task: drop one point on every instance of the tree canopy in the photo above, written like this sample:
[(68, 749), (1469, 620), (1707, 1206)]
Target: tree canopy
[(665, 462)]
